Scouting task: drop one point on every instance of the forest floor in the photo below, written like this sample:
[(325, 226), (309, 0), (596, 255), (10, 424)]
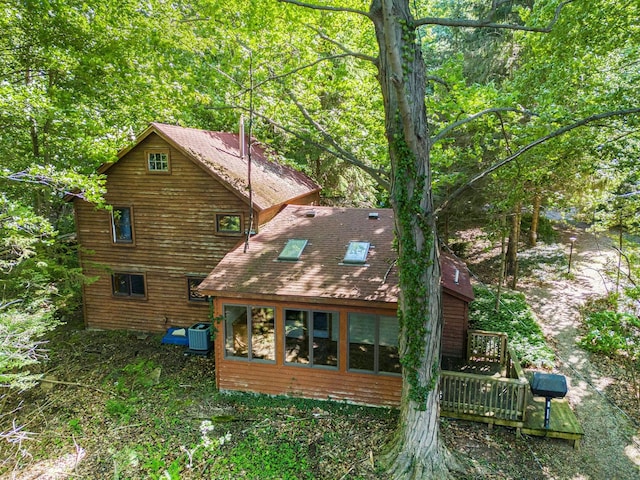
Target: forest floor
[(601, 392), (119, 405)]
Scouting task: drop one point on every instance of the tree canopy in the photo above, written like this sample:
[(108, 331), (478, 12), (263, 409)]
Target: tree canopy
[(393, 102)]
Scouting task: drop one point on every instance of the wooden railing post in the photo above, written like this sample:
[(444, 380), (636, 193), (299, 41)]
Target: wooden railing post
[(473, 396)]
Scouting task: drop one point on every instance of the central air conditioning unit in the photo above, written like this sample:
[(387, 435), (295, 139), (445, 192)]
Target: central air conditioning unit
[(199, 337)]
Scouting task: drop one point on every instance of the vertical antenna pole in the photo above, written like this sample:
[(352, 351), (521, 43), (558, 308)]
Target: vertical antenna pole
[(248, 152)]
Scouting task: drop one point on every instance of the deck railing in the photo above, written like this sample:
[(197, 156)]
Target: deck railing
[(500, 399), (485, 346)]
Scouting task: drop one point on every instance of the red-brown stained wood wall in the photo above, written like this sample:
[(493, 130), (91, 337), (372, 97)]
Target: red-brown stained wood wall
[(301, 381), (175, 236), (281, 379), (454, 330)]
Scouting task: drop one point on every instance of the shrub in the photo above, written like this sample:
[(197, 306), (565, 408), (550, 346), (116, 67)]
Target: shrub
[(514, 318), (612, 334)]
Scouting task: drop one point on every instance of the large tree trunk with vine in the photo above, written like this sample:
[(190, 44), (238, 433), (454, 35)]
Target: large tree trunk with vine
[(416, 450)]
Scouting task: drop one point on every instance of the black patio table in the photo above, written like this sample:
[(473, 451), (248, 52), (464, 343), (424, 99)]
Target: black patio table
[(548, 385)]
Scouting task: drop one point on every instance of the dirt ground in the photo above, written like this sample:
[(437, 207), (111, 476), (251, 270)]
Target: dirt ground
[(598, 390), (599, 393), (66, 421)]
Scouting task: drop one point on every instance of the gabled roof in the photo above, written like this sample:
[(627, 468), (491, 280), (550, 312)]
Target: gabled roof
[(320, 273), (456, 278), (218, 154)]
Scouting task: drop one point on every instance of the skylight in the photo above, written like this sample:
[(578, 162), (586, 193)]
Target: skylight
[(357, 253), (293, 249)]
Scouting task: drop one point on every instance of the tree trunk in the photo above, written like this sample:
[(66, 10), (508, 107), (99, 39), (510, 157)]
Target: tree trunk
[(535, 220), (512, 249), (503, 259), (416, 450)]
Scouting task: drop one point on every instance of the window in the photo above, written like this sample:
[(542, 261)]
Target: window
[(250, 332), (192, 289), (356, 253), (128, 285), (292, 250), (122, 225), (373, 343), (158, 161), (229, 223), (311, 338)]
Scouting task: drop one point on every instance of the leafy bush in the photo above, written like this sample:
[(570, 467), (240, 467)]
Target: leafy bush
[(39, 283), (22, 326), (612, 334), (514, 318)]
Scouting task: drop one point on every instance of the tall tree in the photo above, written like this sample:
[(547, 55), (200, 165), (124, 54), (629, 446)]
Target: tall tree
[(76, 79), (417, 450)]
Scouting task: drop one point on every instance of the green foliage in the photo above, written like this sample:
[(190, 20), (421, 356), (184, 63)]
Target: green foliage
[(75, 426), (413, 262), (122, 410), (22, 326), (271, 458), (514, 318), (546, 232), (613, 334), (131, 382), (136, 376)]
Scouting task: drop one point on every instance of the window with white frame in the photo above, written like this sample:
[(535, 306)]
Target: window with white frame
[(158, 161)]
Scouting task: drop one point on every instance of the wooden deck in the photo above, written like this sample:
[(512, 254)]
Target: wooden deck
[(491, 387), (562, 423)]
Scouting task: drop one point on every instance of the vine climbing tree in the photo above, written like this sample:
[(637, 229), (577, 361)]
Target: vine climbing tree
[(417, 450)]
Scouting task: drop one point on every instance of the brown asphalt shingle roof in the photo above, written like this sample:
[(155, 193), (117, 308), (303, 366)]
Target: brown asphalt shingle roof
[(219, 154), (456, 278), (320, 274)]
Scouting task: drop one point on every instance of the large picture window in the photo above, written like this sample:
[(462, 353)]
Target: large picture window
[(373, 343), (128, 285), (250, 332), (311, 338), (122, 225)]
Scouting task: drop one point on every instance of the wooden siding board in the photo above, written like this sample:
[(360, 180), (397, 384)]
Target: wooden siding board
[(454, 312), (311, 382), (174, 222)]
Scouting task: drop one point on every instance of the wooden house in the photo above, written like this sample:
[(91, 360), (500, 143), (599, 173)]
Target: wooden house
[(180, 202), (310, 308)]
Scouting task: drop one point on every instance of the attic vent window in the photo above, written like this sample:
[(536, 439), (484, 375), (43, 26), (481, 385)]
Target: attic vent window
[(356, 253), (311, 213), (292, 250), (373, 215)]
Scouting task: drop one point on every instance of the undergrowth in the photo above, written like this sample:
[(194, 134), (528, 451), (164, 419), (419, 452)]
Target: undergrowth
[(515, 318)]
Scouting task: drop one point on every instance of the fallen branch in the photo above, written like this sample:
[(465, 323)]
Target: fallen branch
[(74, 384)]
